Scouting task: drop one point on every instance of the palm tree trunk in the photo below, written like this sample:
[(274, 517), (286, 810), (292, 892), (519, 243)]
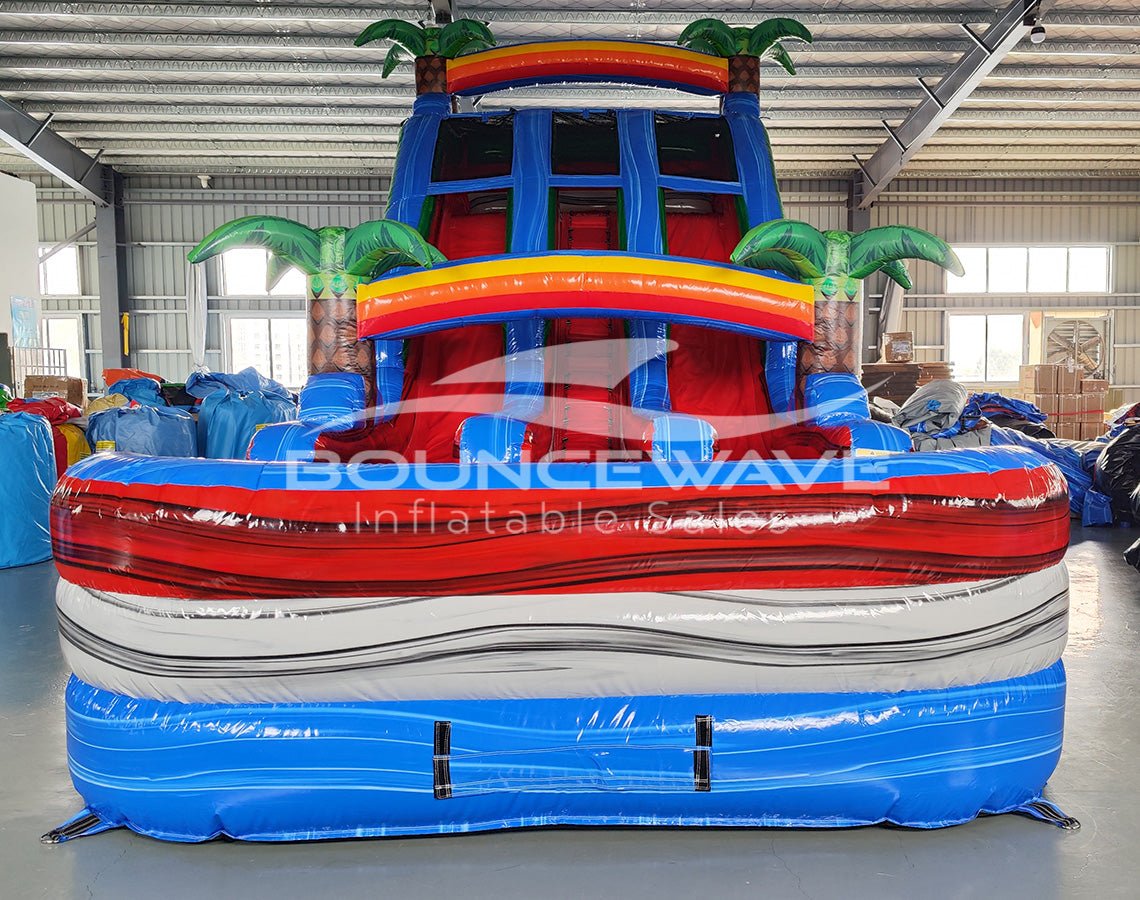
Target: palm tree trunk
[(431, 75), (744, 74), (333, 346), (836, 346)]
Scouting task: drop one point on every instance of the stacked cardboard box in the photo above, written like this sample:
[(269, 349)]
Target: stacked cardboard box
[(73, 390), (897, 381), (1075, 405)]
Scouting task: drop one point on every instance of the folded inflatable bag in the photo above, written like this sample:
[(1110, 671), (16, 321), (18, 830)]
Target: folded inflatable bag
[(228, 420), (76, 440), (149, 430), (203, 384), (143, 391), (1117, 474), (27, 479), (110, 401), (1097, 509), (55, 409), (980, 435), (110, 376)]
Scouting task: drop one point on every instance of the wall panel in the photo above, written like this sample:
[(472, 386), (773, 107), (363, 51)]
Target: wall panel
[(166, 215)]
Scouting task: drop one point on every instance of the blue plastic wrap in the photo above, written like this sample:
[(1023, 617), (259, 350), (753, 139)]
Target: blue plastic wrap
[(27, 479), (148, 430), (989, 403), (228, 420), (144, 391), (1097, 509), (334, 399), (282, 772), (1062, 453)]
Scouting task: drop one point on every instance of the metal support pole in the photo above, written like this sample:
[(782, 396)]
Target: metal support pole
[(111, 248)]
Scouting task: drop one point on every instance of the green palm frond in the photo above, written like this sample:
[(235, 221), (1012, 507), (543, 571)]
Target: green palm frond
[(396, 55), (374, 247), (432, 35), (801, 244), (777, 260), (463, 36), (741, 35), (412, 38), (293, 242), (777, 53), (700, 45), (712, 31), (896, 271), (769, 33), (276, 269), (873, 249)]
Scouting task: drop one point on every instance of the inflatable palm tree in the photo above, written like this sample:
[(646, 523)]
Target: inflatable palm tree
[(745, 47), (428, 45), (335, 260), (835, 264)]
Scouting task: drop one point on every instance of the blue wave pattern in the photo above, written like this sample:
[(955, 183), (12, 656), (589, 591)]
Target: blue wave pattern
[(191, 772)]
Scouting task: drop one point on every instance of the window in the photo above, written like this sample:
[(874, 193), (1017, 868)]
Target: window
[(1043, 270), (276, 346), (585, 144), (66, 333), (244, 273), (986, 348), (59, 273), (473, 147), (698, 147)]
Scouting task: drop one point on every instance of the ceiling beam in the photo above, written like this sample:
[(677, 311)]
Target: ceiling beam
[(443, 11), (374, 97), (178, 69), (35, 42), (1003, 33), (53, 153)]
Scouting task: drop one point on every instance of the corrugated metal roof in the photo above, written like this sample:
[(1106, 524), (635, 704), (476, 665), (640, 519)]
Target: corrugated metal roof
[(264, 87)]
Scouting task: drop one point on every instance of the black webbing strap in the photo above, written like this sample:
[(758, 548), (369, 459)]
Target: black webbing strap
[(441, 761), (702, 756)]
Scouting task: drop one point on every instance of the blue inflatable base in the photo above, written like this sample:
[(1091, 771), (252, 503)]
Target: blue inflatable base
[(925, 759)]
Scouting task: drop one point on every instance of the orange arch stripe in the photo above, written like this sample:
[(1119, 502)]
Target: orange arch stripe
[(619, 60), (633, 284)]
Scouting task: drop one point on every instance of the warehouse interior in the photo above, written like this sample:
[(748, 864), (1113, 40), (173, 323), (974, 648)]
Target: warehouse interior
[(1010, 130)]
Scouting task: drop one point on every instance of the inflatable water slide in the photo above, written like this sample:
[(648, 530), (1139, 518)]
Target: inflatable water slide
[(584, 521)]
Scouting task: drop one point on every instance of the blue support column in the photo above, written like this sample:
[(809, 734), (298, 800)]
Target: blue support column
[(762, 204), (406, 199), (530, 208), (649, 376)]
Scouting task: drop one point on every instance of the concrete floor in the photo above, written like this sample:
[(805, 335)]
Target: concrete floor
[(1098, 781)]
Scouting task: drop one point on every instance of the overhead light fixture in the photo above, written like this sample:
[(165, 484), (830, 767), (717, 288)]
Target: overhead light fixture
[(1037, 34)]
